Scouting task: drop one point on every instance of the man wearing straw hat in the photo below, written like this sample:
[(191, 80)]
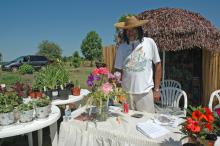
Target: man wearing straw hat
[(134, 59)]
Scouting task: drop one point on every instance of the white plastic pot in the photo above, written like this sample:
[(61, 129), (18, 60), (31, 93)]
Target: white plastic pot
[(43, 112), (7, 118), (26, 116)]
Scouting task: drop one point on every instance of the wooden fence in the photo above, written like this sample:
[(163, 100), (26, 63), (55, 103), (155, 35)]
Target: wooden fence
[(109, 53)]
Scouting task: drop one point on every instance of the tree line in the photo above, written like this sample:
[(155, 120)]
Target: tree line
[(91, 49)]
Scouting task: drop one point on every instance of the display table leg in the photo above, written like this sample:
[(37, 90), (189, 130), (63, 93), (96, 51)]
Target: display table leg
[(53, 134), (40, 137), (30, 139)]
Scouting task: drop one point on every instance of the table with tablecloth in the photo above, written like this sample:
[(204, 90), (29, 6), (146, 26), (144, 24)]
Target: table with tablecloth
[(115, 131)]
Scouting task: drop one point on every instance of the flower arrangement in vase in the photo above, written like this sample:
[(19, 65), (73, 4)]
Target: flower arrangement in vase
[(103, 85)]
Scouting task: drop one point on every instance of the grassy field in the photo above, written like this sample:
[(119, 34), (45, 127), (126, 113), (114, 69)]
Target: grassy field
[(79, 74)]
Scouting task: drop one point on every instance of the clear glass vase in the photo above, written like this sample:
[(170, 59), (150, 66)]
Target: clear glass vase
[(102, 114)]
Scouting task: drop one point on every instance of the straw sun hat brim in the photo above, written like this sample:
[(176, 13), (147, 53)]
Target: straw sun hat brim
[(122, 25)]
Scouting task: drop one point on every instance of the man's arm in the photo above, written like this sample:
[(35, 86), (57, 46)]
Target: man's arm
[(158, 75)]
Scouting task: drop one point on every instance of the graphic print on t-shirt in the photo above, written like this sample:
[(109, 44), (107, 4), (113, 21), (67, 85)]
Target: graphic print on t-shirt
[(136, 61)]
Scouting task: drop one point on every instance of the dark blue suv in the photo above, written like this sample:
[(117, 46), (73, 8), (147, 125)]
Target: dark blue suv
[(36, 61)]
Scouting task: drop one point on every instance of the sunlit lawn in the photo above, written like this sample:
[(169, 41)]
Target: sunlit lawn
[(79, 74)]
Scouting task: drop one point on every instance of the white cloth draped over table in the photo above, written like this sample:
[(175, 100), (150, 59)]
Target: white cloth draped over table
[(112, 133)]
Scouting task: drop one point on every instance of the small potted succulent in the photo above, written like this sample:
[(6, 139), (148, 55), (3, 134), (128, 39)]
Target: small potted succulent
[(43, 107), (7, 115), (76, 89), (26, 111)]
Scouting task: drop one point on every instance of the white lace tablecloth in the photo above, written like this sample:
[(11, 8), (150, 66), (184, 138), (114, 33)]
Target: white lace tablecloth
[(112, 133)]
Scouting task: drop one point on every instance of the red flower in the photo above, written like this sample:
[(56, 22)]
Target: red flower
[(100, 71), (209, 126), (95, 71), (209, 118), (193, 126), (207, 111), (197, 115), (103, 71)]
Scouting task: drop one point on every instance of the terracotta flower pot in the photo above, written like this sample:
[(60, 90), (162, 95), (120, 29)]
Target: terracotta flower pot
[(32, 95), (38, 94), (35, 94), (76, 91)]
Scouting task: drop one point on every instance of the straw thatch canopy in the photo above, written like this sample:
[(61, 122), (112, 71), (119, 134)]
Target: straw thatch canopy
[(177, 29)]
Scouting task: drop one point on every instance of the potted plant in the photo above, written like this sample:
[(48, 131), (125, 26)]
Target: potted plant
[(69, 86), (7, 115), (26, 111), (76, 89), (13, 99), (47, 79), (62, 80), (19, 89), (43, 107), (34, 92), (199, 126)]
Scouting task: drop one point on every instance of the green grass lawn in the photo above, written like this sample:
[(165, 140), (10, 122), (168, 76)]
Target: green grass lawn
[(79, 74)]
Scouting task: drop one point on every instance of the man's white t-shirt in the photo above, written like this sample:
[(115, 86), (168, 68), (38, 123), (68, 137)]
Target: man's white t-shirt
[(135, 59)]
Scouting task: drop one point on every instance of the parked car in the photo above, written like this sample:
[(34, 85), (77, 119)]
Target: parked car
[(36, 61)]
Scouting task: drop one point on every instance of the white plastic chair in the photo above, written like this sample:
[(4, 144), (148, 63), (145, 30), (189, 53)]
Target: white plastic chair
[(170, 83), (213, 95), (171, 96)]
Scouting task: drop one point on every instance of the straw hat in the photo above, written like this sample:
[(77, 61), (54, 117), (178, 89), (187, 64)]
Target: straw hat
[(130, 22)]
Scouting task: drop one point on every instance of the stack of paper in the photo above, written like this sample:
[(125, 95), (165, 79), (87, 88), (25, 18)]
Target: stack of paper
[(151, 129)]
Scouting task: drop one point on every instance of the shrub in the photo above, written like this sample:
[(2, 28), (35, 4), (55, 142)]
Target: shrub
[(76, 62), (26, 69)]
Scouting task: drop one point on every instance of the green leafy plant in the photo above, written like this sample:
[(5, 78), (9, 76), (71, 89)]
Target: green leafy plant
[(25, 106), (43, 101), (62, 74), (51, 77), (6, 108), (10, 98), (5, 105), (26, 69)]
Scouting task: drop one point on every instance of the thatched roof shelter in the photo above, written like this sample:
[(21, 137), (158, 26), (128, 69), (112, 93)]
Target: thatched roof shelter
[(178, 29)]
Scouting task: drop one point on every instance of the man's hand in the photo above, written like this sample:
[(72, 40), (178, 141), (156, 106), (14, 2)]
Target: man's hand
[(156, 95)]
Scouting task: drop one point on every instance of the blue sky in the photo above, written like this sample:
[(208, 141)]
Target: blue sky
[(25, 23)]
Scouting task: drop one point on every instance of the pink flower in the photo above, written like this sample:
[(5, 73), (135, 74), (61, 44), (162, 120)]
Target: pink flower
[(117, 75), (111, 76), (106, 87)]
